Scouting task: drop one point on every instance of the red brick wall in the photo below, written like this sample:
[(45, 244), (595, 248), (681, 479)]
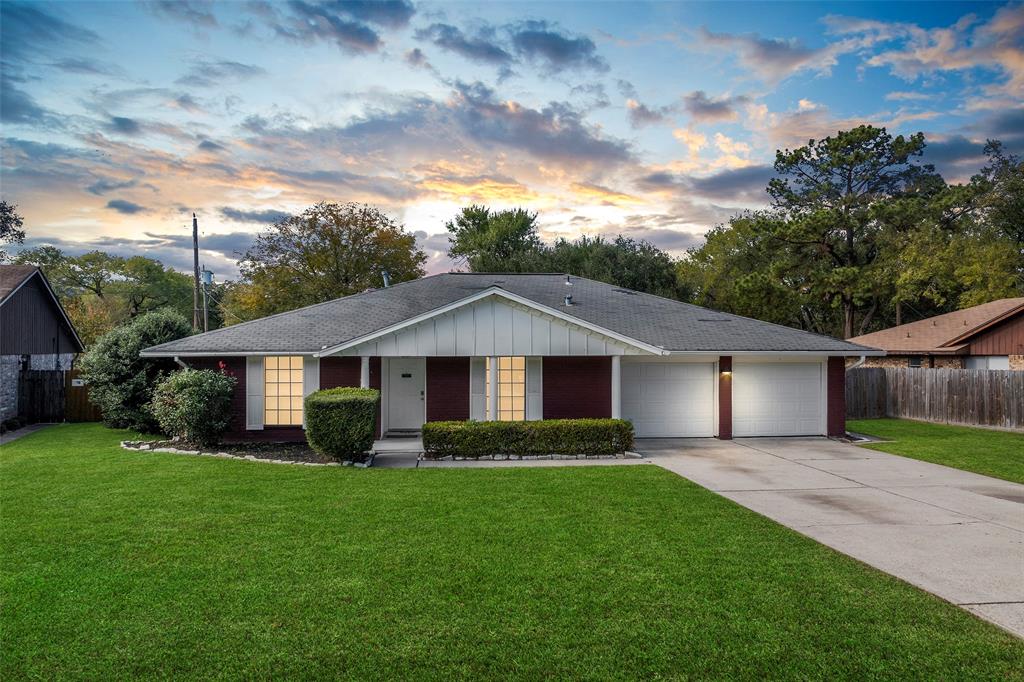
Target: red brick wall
[(337, 372), (577, 387), (836, 399), (725, 397), (447, 389)]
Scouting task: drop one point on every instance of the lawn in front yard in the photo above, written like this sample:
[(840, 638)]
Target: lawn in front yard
[(984, 451), (117, 564)]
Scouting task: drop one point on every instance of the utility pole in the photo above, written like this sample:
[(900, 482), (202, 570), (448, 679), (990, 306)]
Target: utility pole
[(195, 288), (207, 282)]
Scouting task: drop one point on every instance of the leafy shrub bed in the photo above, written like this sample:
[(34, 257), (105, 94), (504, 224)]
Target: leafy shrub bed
[(194, 405), (341, 422), (472, 439)]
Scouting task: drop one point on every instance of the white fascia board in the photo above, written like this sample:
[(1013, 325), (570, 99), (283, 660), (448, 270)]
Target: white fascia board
[(791, 353), (502, 293), (225, 353)]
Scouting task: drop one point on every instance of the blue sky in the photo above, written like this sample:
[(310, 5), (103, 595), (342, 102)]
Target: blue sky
[(652, 120)]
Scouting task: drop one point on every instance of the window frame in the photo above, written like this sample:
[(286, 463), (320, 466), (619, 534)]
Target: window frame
[(512, 389), (294, 391), (915, 359)]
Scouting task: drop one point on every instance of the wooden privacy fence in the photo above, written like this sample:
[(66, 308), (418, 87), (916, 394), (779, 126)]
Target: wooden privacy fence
[(77, 407), (976, 397), (41, 395)]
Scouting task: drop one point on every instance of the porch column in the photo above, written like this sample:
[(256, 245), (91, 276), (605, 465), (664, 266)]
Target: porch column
[(492, 414), (364, 372), (616, 387), (725, 397)]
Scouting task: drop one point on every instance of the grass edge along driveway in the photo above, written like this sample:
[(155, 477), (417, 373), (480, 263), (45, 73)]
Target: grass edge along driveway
[(117, 565), (984, 451)]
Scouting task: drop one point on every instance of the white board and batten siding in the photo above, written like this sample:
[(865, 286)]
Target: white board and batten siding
[(254, 398), (492, 327)]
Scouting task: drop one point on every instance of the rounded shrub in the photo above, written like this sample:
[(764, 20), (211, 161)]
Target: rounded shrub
[(194, 405), (120, 382), (341, 422)]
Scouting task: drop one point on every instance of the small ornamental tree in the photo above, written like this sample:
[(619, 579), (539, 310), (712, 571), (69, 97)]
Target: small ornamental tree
[(120, 382), (341, 422), (194, 405)]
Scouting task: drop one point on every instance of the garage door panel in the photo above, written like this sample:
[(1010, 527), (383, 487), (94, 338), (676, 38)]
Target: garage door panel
[(669, 399), (783, 399)]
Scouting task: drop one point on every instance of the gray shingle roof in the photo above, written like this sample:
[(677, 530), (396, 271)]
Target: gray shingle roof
[(656, 321)]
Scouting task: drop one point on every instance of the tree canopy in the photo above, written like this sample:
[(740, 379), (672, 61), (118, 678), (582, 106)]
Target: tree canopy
[(860, 230), (10, 227), (328, 251), (100, 290), (508, 241)]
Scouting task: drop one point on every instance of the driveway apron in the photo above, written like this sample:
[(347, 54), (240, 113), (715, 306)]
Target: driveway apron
[(953, 533)]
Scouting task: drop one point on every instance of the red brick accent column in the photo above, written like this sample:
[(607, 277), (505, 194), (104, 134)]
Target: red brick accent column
[(447, 389), (725, 397), (577, 387), (836, 400), (375, 379)]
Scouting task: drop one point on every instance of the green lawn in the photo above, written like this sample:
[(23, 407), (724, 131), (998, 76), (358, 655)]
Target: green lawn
[(993, 453), (123, 564)]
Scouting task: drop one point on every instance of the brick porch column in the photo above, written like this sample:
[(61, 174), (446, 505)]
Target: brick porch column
[(725, 397), (836, 399)]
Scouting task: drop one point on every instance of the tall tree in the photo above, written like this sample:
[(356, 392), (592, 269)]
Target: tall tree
[(100, 290), (826, 198), (10, 227), (494, 241), (328, 251)]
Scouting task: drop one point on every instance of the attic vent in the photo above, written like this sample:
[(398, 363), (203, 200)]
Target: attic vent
[(625, 291)]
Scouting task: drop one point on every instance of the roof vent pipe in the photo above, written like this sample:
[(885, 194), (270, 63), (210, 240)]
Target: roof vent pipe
[(568, 299), (568, 280), (387, 278)]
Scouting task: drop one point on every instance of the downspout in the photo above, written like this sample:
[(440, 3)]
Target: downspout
[(857, 364), (180, 363)]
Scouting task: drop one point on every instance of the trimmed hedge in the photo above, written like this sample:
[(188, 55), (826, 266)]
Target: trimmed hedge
[(473, 439), (341, 422)]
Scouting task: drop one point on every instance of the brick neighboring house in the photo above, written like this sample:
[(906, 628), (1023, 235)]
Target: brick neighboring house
[(987, 336), (492, 346)]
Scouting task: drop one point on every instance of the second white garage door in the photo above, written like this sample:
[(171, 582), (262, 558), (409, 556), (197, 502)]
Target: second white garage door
[(777, 399), (669, 399)]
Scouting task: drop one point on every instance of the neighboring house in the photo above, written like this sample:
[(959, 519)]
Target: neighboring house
[(35, 332), (987, 336), (530, 346)]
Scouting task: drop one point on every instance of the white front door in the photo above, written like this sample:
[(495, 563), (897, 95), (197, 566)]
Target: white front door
[(406, 402), (777, 399), (669, 398)]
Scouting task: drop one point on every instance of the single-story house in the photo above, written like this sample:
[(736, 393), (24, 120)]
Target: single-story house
[(35, 334), (986, 336), (530, 346)]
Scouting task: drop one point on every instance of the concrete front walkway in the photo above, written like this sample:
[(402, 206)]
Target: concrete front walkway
[(953, 533), (12, 436)]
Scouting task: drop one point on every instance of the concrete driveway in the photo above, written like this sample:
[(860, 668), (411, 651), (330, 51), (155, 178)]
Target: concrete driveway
[(956, 534)]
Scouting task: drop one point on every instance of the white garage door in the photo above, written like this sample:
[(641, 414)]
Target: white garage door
[(669, 399), (781, 399)]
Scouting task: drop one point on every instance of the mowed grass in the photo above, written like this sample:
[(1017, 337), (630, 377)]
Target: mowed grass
[(121, 564), (983, 451)]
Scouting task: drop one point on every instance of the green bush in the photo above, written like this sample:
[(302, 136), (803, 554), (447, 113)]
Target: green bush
[(474, 439), (341, 422), (121, 383), (194, 405)]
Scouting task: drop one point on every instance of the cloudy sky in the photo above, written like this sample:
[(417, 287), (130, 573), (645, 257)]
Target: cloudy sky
[(651, 120)]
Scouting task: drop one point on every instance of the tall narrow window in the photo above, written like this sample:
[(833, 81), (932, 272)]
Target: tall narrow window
[(511, 389), (282, 382)]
